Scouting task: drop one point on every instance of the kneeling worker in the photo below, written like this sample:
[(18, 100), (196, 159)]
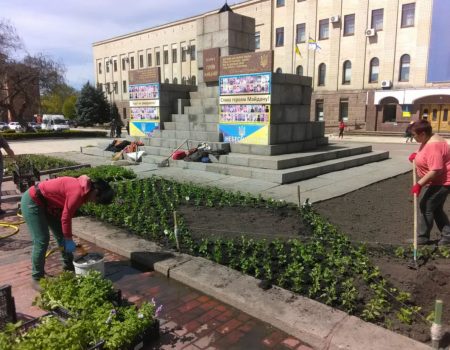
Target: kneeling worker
[(52, 204)]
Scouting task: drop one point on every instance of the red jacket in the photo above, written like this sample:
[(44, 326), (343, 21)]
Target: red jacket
[(63, 197), (341, 125)]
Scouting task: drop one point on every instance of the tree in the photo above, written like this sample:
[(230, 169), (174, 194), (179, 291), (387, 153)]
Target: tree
[(68, 107), (53, 102), (22, 80), (92, 106)]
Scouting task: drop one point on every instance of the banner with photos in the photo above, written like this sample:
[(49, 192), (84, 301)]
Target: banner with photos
[(144, 109), (245, 108)]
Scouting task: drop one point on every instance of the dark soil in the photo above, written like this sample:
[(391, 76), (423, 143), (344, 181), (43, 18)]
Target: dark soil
[(380, 215)]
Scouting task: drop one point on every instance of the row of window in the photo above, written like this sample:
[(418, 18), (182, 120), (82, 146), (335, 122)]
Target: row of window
[(374, 68), (343, 110), (184, 52), (408, 14), (115, 89)]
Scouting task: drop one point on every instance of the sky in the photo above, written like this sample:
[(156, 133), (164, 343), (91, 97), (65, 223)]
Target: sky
[(66, 29)]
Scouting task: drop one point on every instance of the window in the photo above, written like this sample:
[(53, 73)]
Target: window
[(280, 3), (149, 60), (183, 54), (107, 66), (445, 116), (404, 68), (343, 109), (116, 87), (322, 74), (319, 110), (183, 81), (115, 65), (175, 81), (324, 29), (158, 58), (301, 33), (166, 56), (100, 86), (99, 68), (141, 61), (349, 25), (408, 11), (299, 70), (374, 70), (124, 60), (279, 37), (346, 72), (174, 56), (124, 86), (193, 80), (389, 113), (192, 53), (434, 114), (132, 62), (377, 19), (166, 80), (257, 40), (278, 70)]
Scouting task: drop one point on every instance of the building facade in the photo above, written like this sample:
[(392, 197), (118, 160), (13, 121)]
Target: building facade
[(376, 64)]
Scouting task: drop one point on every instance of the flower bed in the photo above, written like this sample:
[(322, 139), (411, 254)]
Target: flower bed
[(319, 262)]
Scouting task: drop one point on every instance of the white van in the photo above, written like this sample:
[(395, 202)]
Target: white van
[(54, 122)]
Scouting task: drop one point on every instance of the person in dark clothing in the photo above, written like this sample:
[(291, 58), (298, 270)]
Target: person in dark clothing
[(119, 130), (128, 127), (408, 133), (113, 129)]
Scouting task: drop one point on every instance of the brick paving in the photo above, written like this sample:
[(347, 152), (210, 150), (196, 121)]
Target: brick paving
[(189, 319)]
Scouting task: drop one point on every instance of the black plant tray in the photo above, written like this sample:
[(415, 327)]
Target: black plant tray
[(145, 339)]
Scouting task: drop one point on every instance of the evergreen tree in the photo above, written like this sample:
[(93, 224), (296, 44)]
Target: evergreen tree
[(92, 106)]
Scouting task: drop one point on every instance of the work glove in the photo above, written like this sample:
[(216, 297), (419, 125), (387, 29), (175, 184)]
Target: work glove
[(412, 156), (69, 246), (416, 189)]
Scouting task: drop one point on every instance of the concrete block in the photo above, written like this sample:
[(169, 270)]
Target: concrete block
[(220, 38), (207, 41), (168, 134), (306, 95), (211, 23), (212, 127), (214, 109), (199, 26), (181, 103), (299, 132), (169, 126), (235, 21), (211, 118), (248, 25), (182, 126), (241, 172), (183, 134)]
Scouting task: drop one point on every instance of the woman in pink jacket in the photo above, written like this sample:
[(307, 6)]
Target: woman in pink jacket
[(52, 204), (433, 168)]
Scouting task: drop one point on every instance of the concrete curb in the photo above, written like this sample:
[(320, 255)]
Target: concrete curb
[(316, 324)]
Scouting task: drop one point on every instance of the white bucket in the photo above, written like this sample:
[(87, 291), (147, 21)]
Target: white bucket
[(90, 261)]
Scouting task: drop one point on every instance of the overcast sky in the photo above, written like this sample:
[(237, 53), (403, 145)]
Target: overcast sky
[(66, 29)]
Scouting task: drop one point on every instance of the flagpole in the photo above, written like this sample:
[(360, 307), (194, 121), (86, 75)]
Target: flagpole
[(294, 37)]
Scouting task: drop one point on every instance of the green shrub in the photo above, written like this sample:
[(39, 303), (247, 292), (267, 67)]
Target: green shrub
[(44, 134), (105, 172), (40, 162)]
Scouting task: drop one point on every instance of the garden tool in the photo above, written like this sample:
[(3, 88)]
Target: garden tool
[(165, 162), (413, 264)]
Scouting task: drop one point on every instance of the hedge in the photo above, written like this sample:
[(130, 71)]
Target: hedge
[(66, 134)]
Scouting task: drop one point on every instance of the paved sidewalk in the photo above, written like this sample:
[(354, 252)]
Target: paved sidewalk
[(189, 320)]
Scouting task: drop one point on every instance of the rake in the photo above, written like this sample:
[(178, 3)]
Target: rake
[(165, 162)]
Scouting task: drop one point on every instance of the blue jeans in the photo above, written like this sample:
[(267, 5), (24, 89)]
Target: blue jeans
[(432, 210)]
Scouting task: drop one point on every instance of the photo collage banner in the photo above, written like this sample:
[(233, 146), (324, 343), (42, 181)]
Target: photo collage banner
[(245, 108), (144, 109)]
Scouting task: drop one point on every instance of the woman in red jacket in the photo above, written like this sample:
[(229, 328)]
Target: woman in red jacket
[(52, 204)]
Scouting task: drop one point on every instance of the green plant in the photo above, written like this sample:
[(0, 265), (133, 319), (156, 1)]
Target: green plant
[(406, 314), (110, 173)]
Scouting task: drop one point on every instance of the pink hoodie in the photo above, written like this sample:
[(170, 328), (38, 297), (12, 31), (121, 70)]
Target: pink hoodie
[(63, 197)]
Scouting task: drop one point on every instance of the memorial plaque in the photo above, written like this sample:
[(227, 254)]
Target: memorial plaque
[(144, 76), (211, 65), (244, 63)]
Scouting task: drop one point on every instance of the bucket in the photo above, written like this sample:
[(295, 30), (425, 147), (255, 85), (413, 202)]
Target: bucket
[(88, 262)]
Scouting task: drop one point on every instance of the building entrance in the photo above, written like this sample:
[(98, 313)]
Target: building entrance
[(437, 115)]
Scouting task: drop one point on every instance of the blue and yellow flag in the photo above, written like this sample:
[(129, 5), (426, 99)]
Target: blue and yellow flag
[(313, 45), (297, 50)]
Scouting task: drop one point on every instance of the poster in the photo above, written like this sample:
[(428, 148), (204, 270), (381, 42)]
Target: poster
[(143, 128), (255, 134), (144, 109), (243, 84)]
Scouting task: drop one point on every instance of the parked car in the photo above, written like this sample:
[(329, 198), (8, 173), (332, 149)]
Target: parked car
[(34, 125), (4, 126), (15, 126)]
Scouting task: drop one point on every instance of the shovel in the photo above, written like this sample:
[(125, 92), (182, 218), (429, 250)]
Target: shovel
[(165, 162), (413, 264)]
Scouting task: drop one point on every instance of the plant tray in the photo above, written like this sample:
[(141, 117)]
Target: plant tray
[(144, 339), (7, 306)]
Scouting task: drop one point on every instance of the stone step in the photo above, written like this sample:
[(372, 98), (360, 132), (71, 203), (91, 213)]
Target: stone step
[(294, 159), (287, 175), (201, 109), (211, 101), (195, 118), (172, 144)]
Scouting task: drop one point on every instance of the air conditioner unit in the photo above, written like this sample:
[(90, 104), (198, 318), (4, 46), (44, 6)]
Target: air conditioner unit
[(386, 83), (370, 32), (335, 19)]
